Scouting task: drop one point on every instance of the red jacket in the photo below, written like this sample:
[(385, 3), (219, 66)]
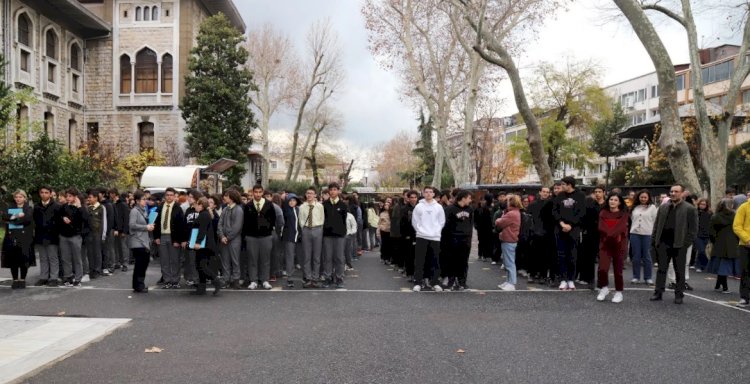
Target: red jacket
[(613, 226), (510, 224)]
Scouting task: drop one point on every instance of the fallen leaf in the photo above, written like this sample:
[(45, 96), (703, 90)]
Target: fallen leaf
[(153, 350), (61, 313), (460, 351)]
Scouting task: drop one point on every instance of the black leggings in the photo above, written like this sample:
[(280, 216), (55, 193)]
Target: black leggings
[(721, 282), (207, 264), (14, 272)]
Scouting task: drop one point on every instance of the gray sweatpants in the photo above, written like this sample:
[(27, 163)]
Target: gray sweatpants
[(277, 255), (259, 255), (230, 259), (312, 243), (109, 251), (169, 258), (122, 250), (70, 249), (187, 259), (350, 249), (334, 258), (48, 263), (290, 251)]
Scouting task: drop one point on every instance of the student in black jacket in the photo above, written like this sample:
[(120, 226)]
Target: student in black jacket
[(586, 261), (72, 228), (334, 237), (121, 229), (483, 224), (168, 235), (568, 209), (458, 229), (541, 262), (206, 260), (46, 238), (108, 245), (408, 234), (259, 224)]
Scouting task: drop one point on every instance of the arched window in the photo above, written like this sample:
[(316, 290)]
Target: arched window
[(146, 14), (126, 78), (24, 30), (166, 73), (51, 42), (75, 57), (155, 13), (146, 70), (137, 13), (146, 135)]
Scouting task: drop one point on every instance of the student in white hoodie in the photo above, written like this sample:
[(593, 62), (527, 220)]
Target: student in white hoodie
[(428, 220)]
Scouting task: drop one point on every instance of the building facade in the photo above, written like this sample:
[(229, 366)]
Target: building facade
[(106, 70)]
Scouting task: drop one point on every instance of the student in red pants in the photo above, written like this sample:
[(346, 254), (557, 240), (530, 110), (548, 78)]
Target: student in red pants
[(613, 245)]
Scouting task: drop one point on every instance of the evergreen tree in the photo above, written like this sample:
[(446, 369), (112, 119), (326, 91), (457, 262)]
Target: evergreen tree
[(606, 142), (424, 151), (216, 105)]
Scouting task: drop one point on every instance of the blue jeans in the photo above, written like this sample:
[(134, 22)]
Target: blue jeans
[(701, 257), (641, 246), (509, 260)]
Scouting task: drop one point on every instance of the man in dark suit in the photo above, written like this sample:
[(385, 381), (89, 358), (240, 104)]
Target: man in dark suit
[(259, 222), (674, 232), (334, 237), (168, 234)]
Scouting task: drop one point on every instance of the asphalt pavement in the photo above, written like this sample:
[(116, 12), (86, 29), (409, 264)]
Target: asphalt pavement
[(377, 331)]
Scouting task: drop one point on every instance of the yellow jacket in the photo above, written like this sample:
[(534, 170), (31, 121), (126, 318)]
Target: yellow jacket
[(741, 225)]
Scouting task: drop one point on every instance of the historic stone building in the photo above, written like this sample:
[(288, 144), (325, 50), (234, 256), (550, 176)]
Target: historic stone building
[(111, 70)]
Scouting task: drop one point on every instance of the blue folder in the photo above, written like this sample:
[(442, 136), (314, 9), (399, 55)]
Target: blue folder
[(152, 217), (194, 238), (11, 212)]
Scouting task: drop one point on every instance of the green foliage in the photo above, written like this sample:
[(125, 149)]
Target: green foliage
[(424, 152), (558, 145), (604, 139), (216, 105), (44, 162), (135, 164), (738, 165), (297, 187), (6, 99)]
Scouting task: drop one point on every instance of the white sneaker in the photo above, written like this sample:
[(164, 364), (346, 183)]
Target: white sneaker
[(437, 288), (493, 263), (417, 288), (267, 285), (571, 286), (650, 282), (634, 281), (85, 278), (603, 292), (563, 285), (508, 287), (617, 298), (252, 285), (106, 272), (445, 281), (502, 285)]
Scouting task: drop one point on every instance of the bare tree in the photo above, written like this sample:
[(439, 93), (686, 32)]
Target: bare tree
[(310, 120), (499, 25), (417, 39), (714, 135), (324, 125), (273, 62), (322, 70)]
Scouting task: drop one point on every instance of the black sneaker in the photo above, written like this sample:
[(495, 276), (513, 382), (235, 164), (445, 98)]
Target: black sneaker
[(53, 283), (124, 268), (326, 284), (290, 284), (688, 287), (41, 282), (76, 284), (672, 286)]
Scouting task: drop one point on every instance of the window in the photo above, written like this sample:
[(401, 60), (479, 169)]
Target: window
[(146, 69), (138, 13), (641, 95), (92, 130), (51, 72), (74, 83), (654, 91), (274, 164), (746, 97), (24, 30), (680, 82), (24, 61), (146, 13), (155, 13), (49, 124), (125, 14), (718, 72), (125, 75), (655, 112), (166, 73), (146, 135), (75, 57), (166, 12), (51, 42)]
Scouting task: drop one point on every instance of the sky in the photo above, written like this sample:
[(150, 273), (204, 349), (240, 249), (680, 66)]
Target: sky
[(369, 100)]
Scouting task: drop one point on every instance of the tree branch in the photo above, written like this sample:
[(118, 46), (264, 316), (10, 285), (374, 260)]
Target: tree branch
[(666, 11)]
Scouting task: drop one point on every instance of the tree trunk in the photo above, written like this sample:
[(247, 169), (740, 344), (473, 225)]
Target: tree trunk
[(476, 69), (266, 150), (297, 167), (295, 137), (672, 140), (609, 172)]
